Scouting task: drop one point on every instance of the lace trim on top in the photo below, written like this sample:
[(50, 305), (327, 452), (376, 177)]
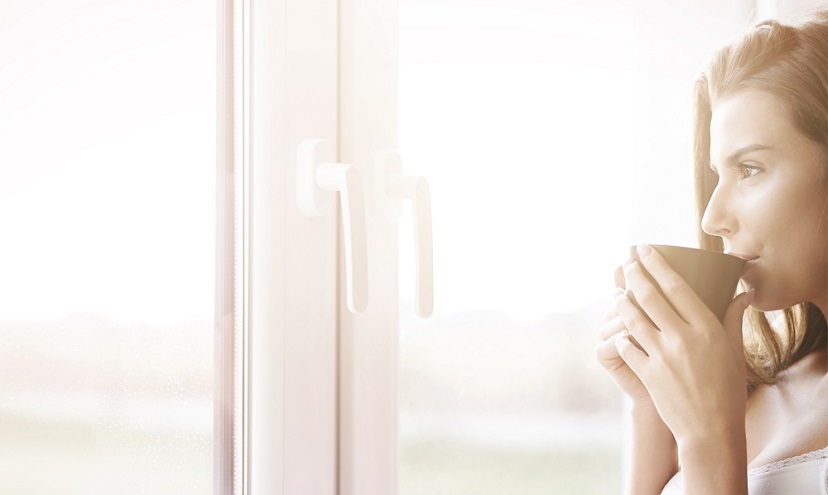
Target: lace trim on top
[(790, 461)]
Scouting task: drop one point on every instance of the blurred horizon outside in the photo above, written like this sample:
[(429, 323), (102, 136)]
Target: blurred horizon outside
[(554, 135), (108, 207)]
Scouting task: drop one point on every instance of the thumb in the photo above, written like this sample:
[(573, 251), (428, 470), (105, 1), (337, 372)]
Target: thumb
[(732, 321)]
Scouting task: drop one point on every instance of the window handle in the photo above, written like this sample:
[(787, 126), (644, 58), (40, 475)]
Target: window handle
[(317, 178), (393, 187)]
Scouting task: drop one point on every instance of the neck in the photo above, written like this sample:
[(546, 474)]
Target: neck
[(823, 306)]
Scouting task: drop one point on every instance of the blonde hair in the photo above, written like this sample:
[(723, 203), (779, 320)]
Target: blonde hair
[(791, 63)]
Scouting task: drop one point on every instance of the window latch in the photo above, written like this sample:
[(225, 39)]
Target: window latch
[(391, 188), (318, 178)]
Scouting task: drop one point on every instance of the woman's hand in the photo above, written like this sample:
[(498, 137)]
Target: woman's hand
[(653, 456), (691, 364), (609, 357)]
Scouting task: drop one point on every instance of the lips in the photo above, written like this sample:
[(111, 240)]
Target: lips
[(750, 260), (746, 257)]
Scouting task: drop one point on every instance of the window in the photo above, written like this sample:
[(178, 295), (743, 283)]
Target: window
[(170, 326), (554, 135), (107, 204), (518, 113)]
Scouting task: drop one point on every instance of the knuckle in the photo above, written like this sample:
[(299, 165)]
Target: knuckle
[(674, 287), (609, 314), (606, 352), (624, 348), (633, 324), (646, 295), (610, 328), (600, 352), (679, 346)]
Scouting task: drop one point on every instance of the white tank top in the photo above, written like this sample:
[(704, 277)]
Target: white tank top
[(803, 474)]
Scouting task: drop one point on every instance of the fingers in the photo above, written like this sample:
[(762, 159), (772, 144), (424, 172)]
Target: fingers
[(620, 286), (635, 322), (732, 321), (635, 358), (607, 353), (649, 298), (611, 313), (681, 298), (618, 276), (612, 327)]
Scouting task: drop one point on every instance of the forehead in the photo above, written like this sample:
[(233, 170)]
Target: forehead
[(748, 117)]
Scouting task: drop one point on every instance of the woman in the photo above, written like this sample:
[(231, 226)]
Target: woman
[(716, 410)]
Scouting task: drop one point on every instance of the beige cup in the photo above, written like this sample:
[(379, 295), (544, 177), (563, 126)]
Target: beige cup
[(713, 276)]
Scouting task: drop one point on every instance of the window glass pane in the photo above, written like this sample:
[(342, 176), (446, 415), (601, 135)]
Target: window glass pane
[(554, 135), (107, 208), (519, 114)]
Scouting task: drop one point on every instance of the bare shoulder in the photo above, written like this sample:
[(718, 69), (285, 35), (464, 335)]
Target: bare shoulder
[(809, 375), (787, 418)]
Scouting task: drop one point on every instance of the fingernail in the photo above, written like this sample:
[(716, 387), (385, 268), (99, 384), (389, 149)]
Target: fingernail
[(644, 250), (618, 292), (628, 262)]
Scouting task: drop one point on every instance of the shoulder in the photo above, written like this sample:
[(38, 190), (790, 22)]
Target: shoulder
[(787, 418), (808, 375)]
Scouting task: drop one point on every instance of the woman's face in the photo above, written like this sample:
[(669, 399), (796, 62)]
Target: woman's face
[(769, 206)]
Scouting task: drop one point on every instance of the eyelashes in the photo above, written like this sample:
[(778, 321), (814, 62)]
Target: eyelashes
[(742, 171), (747, 171)]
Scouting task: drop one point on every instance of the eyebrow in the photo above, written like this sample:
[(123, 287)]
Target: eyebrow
[(734, 157)]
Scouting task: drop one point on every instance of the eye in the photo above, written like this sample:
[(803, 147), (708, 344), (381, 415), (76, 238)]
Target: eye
[(746, 171)]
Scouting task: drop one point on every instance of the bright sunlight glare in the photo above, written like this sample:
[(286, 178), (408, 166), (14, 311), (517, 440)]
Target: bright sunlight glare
[(526, 140), (101, 146)]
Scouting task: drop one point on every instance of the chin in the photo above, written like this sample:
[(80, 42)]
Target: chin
[(762, 307), (760, 303)]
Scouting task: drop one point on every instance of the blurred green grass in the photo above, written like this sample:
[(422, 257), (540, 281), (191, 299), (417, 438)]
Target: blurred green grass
[(48, 457), (453, 468)]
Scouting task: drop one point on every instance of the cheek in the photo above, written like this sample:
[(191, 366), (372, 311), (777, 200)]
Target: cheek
[(790, 229), (766, 218), (780, 214)]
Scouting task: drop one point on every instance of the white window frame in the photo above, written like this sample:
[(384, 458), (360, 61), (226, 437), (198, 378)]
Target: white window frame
[(313, 388), (368, 448)]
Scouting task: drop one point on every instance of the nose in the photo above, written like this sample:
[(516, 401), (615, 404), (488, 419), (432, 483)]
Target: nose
[(718, 220)]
